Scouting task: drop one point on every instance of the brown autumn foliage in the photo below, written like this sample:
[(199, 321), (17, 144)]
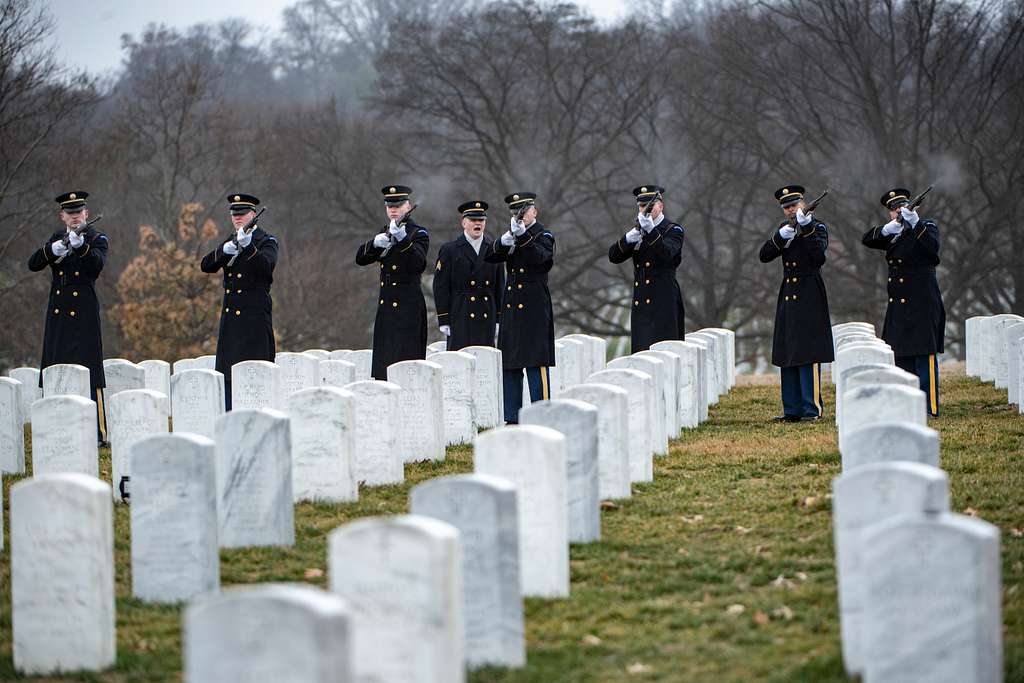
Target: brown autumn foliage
[(168, 307)]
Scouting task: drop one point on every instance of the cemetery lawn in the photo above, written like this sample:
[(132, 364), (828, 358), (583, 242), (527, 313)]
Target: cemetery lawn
[(720, 570)]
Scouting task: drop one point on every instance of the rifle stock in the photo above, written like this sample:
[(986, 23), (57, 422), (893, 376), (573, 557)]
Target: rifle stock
[(247, 228), (66, 240)]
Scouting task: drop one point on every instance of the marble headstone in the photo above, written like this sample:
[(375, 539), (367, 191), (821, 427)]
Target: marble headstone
[(1014, 338), (158, 379), (337, 373), (640, 388), (862, 375), (437, 347), (132, 415), (64, 436), (197, 401), (577, 421), (420, 412), (670, 374), (62, 574), (571, 362), (488, 397), (877, 402), (122, 375), (716, 361), (729, 340), (363, 360), (340, 354), (298, 372), (319, 354), (175, 555), (457, 384), (612, 405), (655, 369), (254, 479), (402, 577), (890, 441), (256, 384), (971, 339), (483, 509), (323, 444), (67, 379), (30, 389), (859, 354), (999, 346), (12, 427), (709, 380), (377, 459), (206, 362), (690, 396), (534, 459), (183, 364)]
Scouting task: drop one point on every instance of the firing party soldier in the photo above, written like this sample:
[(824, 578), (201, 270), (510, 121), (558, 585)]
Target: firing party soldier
[(527, 333), (75, 256), (915, 320), (467, 289), (248, 258), (400, 328), (655, 245), (803, 329)]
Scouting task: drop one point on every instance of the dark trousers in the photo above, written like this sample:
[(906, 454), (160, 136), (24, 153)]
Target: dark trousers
[(927, 370), (227, 393), (801, 390), (101, 414), (539, 380)]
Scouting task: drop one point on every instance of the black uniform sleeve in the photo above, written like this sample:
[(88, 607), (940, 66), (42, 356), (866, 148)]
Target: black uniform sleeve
[(367, 253), (537, 250), (93, 254), (927, 241), (620, 251), (874, 239), (772, 249), (499, 293), (665, 248), (442, 286), (265, 256), (818, 238), (215, 260), (410, 255), (497, 252), (41, 257)]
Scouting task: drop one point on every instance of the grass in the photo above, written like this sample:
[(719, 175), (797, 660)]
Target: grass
[(719, 570)]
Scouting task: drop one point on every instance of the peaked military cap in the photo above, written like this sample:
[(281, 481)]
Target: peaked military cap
[(518, 199), (72, 202), (790, 194), (473, 209), (395, 195), (646, 193), (895, 198), (242, 203)]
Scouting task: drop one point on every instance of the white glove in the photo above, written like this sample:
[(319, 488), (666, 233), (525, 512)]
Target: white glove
[(446, 330), (909, 216), (803, 218), (517, 227), (787, 232), (508, 239), (893, 227), (381, 241), (496, 326), (398, 232), (230, 249), (645, 221), (76, 240), (58, 248), (393, 225), (244, 238), (633, 236)]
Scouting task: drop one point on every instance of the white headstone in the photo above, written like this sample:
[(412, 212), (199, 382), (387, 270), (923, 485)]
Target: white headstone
[(197, 400), (890, 441), (577, 421), (571, 362), (340, 354), (254, 479), (488, 397), (933, 609), (972, 329), (158, 379), (269, 633), (377, 458), (1014, 335), (319, 354), (554, 375), (207, 362), (183, 364), (857, 338), (420, 415), (132, 415), (438, 346), (991, 346), (64, 436), (12, 427), (587, 357), (298, 372), (861, 375), (323, 444), (67, 379), (612, 405), (484, 510), (860, 498), (122, 375), (640, 388), (881, 402), (337, 373), (534, 459), (709, 380), (403, 578), (859, 354), (457, 384), (363, 360), (689, 396), (729, 340), (671, 369), (174, 518), (1001, 347), (655, 368), (30, 389), (256, 384), (62, 574), (717, 358)]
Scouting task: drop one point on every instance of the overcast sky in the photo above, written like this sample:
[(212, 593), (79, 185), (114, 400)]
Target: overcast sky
[(89, 32)]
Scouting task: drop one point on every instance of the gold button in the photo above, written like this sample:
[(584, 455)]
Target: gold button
[(903, 301), (890, 299), (238, 291), (472, 298), (508, 305), (60, 272), (472, 315), (647, 301), (901, 279), (227, 310), (509, 288), (382, 300), (394, 304), (485, 315), (890, 279), (227, 291), (636, 283), (239, 276), (519, 286), (647, 282), (787, 297), (237, 312), (76, 273), (647, 264), (794, 297), (394, 284), (522, 270), (794, 280), (74, 293), (487, 282), (72, 314), (520, 306), (394, 267), (58, 291), (486, 299), (472, 283), (56, 311), (636, 303)]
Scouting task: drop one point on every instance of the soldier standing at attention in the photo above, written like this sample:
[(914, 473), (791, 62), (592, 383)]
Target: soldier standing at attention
[(655, 244), (915, 320), (400, 328), (248, 260), (527, 334), (75, 255), (803, 330), (467, 289)]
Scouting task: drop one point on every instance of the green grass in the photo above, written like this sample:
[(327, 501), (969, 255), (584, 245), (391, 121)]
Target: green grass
[(739, 514)]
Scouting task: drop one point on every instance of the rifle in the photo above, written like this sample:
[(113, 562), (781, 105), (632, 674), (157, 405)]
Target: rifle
[(914, 203), (66, 240), (810, 207), (247, 228), (648, 207), (400, 222)]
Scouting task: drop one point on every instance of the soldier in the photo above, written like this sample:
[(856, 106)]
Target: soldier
[(527, 333), (467, 289), (248, 259), (75, 256), (803, 331), (915, 320), (655, 244), (400, 328)]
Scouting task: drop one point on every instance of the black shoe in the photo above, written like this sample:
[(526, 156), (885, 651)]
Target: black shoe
[(810, 418), (786, 418)]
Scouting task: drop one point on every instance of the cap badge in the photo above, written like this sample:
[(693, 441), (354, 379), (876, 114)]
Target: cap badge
[(237, 198), (478, 205), (643, 189), (892, 194), (391, 189), (73, 196), (785, 190), (515, 196)]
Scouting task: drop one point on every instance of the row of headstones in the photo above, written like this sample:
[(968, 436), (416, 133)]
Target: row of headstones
[(919, 586), (995, 353), (554, 472)]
